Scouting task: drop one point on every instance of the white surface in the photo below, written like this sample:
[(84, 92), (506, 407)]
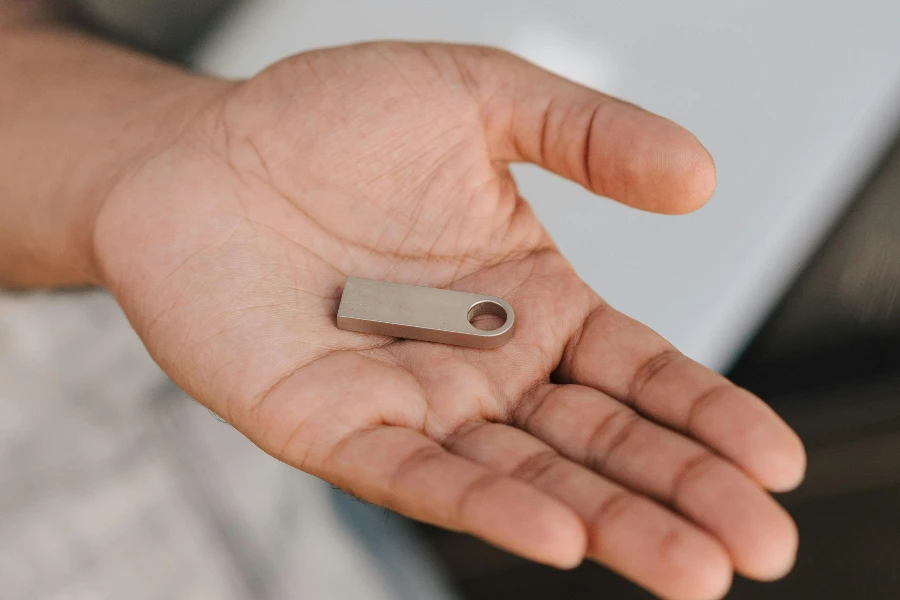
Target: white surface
[(794, 99)]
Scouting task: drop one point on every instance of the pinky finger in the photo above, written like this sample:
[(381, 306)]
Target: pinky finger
[(411, 474)]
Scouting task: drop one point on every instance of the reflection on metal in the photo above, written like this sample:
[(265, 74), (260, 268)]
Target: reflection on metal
[(422, 313)]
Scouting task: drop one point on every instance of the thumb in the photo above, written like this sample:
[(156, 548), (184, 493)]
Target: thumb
[(611, 147)]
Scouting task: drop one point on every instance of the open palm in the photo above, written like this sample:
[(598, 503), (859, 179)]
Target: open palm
[(587, 434)]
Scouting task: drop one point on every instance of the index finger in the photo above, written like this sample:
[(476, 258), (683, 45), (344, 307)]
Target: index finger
[(627, 360)]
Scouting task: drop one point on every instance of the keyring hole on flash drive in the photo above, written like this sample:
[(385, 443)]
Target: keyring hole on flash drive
[(487, 315)]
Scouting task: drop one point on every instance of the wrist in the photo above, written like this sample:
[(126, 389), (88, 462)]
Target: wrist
[(144, 131), (76, 116)]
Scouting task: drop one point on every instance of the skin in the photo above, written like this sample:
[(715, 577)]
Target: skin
[(229, 215)]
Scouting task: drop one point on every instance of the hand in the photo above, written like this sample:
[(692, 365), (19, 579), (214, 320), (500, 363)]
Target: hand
[(586, 435)]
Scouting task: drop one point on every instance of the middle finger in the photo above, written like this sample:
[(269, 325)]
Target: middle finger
[(628, 533), (600, 432)]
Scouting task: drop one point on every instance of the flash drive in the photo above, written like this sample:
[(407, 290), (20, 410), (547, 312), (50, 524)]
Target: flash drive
[(422, 313)]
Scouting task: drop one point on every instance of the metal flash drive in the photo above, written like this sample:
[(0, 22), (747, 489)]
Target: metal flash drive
[(422, 313)]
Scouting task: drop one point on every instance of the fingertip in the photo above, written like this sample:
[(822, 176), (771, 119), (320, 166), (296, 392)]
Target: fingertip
[(688, 173), (780, 568), (788, 467), (777, 565), (716, 578), (750, 433), (568, 540), (705, 571), (759, 534), (770, 451), (787, 564), (775, 556), (536, 527), (613, 148), (563, 551)]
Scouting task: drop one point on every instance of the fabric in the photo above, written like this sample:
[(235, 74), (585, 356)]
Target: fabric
[(114, 484)]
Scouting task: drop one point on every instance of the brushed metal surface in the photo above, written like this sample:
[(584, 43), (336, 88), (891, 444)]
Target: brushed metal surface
[(422, 313)]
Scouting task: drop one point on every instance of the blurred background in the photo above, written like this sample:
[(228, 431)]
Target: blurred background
[(113, 484)]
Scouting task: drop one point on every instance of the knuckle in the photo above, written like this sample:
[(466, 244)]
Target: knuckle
[(535, 466), (691, 470), (650, 370), (612, 509), (469, 494), (609, 435), (703, 403)]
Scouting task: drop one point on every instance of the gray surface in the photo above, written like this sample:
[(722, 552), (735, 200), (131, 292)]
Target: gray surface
[(795, 102), (113, 484), (166, 27), (851, 291)]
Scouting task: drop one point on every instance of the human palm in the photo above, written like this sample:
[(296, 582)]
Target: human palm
[(586, 434)]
